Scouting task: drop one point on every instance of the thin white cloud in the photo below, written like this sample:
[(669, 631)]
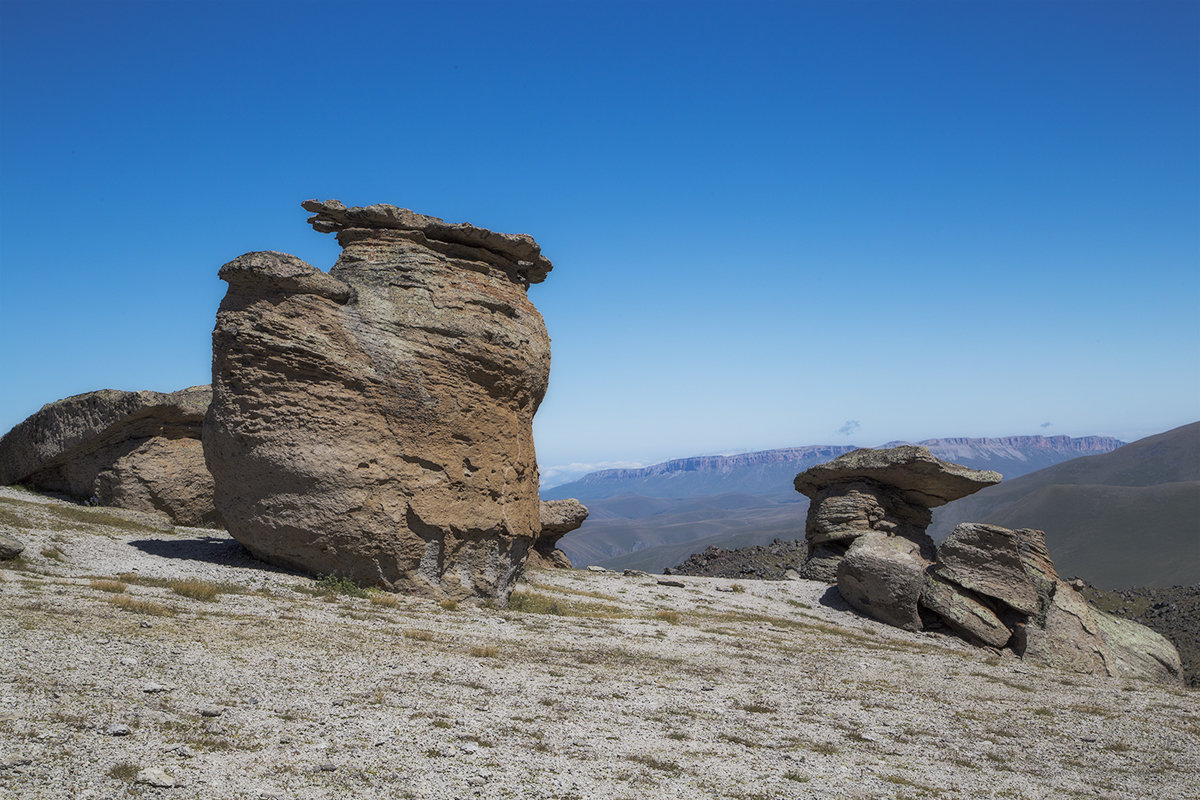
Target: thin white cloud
[(558, 474)]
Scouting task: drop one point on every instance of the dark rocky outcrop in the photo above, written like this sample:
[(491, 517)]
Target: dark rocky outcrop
[(134, 450), (867, 491), (376, 421), (558, 518), (772, 562)]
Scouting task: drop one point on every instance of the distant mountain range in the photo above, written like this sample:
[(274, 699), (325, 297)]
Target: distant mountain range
[(1130, 517), (654, 517)]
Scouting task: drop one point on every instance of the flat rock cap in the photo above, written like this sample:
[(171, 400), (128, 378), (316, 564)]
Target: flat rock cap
[(331, 216), (913, 471)]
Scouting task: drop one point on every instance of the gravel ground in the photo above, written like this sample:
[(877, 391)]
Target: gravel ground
[(591, 685)]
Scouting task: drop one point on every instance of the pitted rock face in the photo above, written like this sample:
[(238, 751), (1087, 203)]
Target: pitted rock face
[(375, 421)]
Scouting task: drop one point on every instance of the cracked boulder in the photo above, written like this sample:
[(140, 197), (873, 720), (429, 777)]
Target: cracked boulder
[(558, 518), (889, 492), (375, 421), (882, 576), (135, 450)]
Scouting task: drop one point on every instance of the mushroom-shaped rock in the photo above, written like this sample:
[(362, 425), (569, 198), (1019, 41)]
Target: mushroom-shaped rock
[(882, 576), (375, 421), (558, 517), (882, 491), (912, 471)]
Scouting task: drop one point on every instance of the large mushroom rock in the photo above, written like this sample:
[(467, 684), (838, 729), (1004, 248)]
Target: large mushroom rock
[(999, 587), (134, 450), (375, 422), (558, 518), (883, 491)]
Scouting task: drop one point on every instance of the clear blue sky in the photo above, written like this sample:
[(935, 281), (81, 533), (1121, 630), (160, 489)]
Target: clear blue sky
[(768, 220)]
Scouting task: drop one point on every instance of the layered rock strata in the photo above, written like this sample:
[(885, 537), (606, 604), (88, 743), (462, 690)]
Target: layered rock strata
[(558, 518), (134, 450), (375, 422), (886, 492), (993, 586)]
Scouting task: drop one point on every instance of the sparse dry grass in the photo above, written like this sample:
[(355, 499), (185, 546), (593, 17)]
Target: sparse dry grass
[(127, 603), (195, 589), (418, 635), (485, 651), (104, 585), (672, 617), (449, 605), (537, 603), (385, 600)]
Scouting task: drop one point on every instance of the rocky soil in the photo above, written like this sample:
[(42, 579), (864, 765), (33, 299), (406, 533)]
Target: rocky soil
[(760, 562), (141, 660)]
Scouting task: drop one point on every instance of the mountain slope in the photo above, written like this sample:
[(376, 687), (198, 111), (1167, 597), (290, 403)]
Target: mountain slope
[(654, 517), (1126, 518)]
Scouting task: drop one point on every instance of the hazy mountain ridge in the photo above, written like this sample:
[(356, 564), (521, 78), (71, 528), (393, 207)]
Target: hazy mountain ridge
[(1130, 517), (654, 517)]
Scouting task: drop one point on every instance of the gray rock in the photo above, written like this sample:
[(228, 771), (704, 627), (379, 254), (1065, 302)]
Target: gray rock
[(913, 471), (962, 612), (118, 729), (1138, 651), (10, 546), (987, 560), (13, 762), (211, 712), (882, 576), (157, 777), (375, 422), (887, 492), (135, 450)]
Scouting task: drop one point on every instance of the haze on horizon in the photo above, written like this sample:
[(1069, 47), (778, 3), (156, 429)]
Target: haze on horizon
[(773, 224)]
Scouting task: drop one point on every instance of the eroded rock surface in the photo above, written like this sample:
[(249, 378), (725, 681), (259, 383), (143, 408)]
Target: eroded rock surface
[(134, 450), (889, 492), (993, 586), (375, 421), (558, 518), (10, 546)]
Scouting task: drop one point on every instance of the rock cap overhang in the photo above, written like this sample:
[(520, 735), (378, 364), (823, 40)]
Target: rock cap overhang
[(525, 255), (917, 474)]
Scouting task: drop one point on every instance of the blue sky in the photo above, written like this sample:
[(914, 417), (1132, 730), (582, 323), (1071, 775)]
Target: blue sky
[(768, 220)]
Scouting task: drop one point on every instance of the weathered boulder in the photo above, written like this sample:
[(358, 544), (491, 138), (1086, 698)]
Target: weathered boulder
[(966, 614), (10, 546), (558, 518), (882, 576), (375, 422), (990, 580), (882, 491), (1138, 651), (986, 559), (135, 450)]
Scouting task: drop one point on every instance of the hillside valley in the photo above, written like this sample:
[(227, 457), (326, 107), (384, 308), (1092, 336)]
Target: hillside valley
[(654, 517)]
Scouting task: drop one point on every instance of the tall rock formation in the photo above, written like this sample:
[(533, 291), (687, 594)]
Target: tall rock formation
[(375, 421), (135, 450), (885, 492)]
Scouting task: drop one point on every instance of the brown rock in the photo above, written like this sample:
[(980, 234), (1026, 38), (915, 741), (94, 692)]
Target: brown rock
[(882, 576), (376, 422), (558, 518), (134, 450)]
